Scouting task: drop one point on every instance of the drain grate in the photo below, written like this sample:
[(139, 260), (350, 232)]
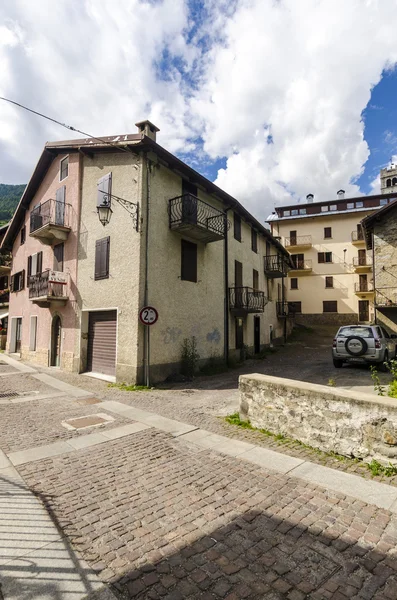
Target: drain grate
[(88, 421), (8, 394)]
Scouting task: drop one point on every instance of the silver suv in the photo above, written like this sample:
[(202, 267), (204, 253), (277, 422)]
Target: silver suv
[(363, 344)]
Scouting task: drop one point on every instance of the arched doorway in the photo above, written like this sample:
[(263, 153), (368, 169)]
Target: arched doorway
[(56, 331)]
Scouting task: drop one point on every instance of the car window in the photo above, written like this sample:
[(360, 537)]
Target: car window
[(364, 332), (379, 332), (385, 334)]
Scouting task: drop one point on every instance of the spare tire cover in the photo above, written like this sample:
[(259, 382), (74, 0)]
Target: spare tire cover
[(356, 346)]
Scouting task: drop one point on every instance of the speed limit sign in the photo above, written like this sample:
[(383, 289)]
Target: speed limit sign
[(148, 315)]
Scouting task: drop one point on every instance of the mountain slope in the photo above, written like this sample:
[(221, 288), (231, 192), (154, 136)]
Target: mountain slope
[(9, 198)]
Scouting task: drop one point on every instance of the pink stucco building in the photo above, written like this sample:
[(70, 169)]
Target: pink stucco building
[(43, 237)]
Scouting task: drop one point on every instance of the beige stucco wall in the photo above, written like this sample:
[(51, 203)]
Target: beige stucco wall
[(121, 290), (311, 285), (20, 304)]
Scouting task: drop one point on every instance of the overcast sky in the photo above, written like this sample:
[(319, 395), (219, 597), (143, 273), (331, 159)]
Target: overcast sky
[(270, 99)]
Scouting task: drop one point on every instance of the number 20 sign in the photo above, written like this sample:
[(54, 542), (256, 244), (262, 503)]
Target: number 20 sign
[(148, 315)]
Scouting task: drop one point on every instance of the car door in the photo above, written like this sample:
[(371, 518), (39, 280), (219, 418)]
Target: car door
[(388, 342)]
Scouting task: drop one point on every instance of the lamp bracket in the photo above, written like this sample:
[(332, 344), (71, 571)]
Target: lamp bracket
[(131, 207)]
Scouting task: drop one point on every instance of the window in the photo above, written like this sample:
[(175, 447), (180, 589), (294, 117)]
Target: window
[(324, 209), (35, 266), (324, 257), (333, 207), (294, 212), (237, 227), (383, 202), (388, 182), (23, 235), (254, 240), (287, 213), (102, 248), (292, 238), (188, 261), (295, 307), (394, 181), (33, 334), (302, 211), (255, 279), (58, 257), (294, 283), (17, 281), (329, 282), (327, 232), (64, 168), (330, 306), (359, 204), (3, 284), (350, 205), (356, 330)]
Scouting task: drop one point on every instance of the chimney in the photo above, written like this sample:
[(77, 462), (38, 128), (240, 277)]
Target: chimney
[(340, 194), (147, 128), (309, 198)]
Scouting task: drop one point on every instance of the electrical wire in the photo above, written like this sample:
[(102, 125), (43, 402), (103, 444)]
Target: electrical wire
[(65, 125)]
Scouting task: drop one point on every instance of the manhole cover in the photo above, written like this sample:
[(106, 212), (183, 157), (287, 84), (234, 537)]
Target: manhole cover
[(88, 421), (89, 401), (8, 394)]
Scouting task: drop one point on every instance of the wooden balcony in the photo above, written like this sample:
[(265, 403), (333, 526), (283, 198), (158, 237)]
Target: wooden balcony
[(245, 300), (48, 288), (301, 267), (364, 288), (196, 220), (358, 238), (50, 222), (297, 243), (362, 264), (275, 266)]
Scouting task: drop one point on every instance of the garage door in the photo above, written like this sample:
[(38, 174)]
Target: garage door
[(102, 342)]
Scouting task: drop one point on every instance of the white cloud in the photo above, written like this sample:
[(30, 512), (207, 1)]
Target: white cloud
[(235, 73)]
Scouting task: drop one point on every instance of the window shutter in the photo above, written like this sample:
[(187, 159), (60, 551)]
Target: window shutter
[(29, 270), (61, 194), (98, 246), (102, 251), (12, 283), (22, 284), (58, 257), (39, 268), (104, 190), (321, 257)]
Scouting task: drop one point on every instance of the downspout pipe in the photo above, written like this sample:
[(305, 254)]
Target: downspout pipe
[(146, 342), (226, 284), (374, 277)]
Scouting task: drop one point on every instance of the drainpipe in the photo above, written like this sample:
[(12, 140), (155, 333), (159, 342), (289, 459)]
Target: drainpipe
[(146, 338), (226, 283), (283, 301)]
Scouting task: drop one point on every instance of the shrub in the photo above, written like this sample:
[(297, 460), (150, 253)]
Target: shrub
[(189, 357)]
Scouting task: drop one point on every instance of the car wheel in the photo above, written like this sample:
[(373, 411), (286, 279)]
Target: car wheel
[(382, 366), (338, 364)]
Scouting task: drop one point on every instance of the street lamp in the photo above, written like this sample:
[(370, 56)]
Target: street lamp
[(104, 213), (104, 209)]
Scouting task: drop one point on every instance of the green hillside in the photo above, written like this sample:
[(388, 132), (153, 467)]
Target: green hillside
[(9, 198)]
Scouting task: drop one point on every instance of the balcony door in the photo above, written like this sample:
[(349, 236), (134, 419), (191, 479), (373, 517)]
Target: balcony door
[(60, 206), (56, 331), (362, 258), (238, 283), (292, 238), (298, 260), (189, 202), (363, 283), (239, 333)]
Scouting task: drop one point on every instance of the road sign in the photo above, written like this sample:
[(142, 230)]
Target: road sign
[(148, 315)]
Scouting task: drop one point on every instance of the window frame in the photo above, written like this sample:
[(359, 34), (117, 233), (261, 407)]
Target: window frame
[(328, 303), (324, 261), (295, 280), (254, 240), (185, 276), (329, 287), (21, 278), (255, 276), (60, 168), (328, 237), (237, 227)]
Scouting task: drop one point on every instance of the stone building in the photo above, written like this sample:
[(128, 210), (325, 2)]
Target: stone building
[(142, 228), (5, 269), (388, 179), (380, 233)]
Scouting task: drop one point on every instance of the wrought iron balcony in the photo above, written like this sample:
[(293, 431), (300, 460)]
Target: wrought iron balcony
[(48, 288), (50, 221), (4, 297), (363, 287), (275, 266), (301, 241), (386, 297), (243, 300), (196, 219), (362, 263), (286, 309), (301, 265), (358, 237)]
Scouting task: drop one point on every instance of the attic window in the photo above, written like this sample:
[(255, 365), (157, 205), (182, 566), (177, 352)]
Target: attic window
[(359, 204), (287, 213), (383, 202), (350, 205), (64, 168)]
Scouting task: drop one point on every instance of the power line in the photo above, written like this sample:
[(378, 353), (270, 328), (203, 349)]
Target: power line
[(65, 125)]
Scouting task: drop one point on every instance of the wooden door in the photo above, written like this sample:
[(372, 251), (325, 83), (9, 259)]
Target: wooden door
[(56, 336), (18, 336), (363, 310)]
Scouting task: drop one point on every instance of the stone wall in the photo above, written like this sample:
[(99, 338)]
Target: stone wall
[(350, 423), (385, 269), (337, 319)]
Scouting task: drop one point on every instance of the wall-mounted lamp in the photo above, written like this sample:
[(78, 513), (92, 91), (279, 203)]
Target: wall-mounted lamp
[(104, 213)]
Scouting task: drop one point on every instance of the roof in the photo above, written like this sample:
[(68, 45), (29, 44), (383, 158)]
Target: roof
[(369, 222), (334, 213), (119, 143)]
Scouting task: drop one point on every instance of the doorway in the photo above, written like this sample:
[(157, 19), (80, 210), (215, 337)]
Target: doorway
[(257, 335), (56, 332), (363, 310), (239, 333), (18, 335)]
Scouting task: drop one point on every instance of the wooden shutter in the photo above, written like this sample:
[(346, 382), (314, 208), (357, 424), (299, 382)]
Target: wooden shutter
[(29, 270), (12, 279), (39, 268), (58, 257), (102, 251), (188, 261), (104, 188), (320, 257), (22, 280), (255, 279), (237, 227)]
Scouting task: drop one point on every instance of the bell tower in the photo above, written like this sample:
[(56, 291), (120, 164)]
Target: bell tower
[(388, 179)]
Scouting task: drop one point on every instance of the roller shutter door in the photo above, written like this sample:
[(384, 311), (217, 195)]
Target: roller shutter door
[(102, 328)]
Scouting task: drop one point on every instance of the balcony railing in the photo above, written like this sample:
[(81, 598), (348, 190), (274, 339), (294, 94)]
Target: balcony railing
[(196, 219), (4, 297), (301, 240), (363, 286), (358, 236), (301, 265), (286, 309), (246, 300), (386, 297), (275, 266), (362, 261), (48, 286), (51, 221)]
